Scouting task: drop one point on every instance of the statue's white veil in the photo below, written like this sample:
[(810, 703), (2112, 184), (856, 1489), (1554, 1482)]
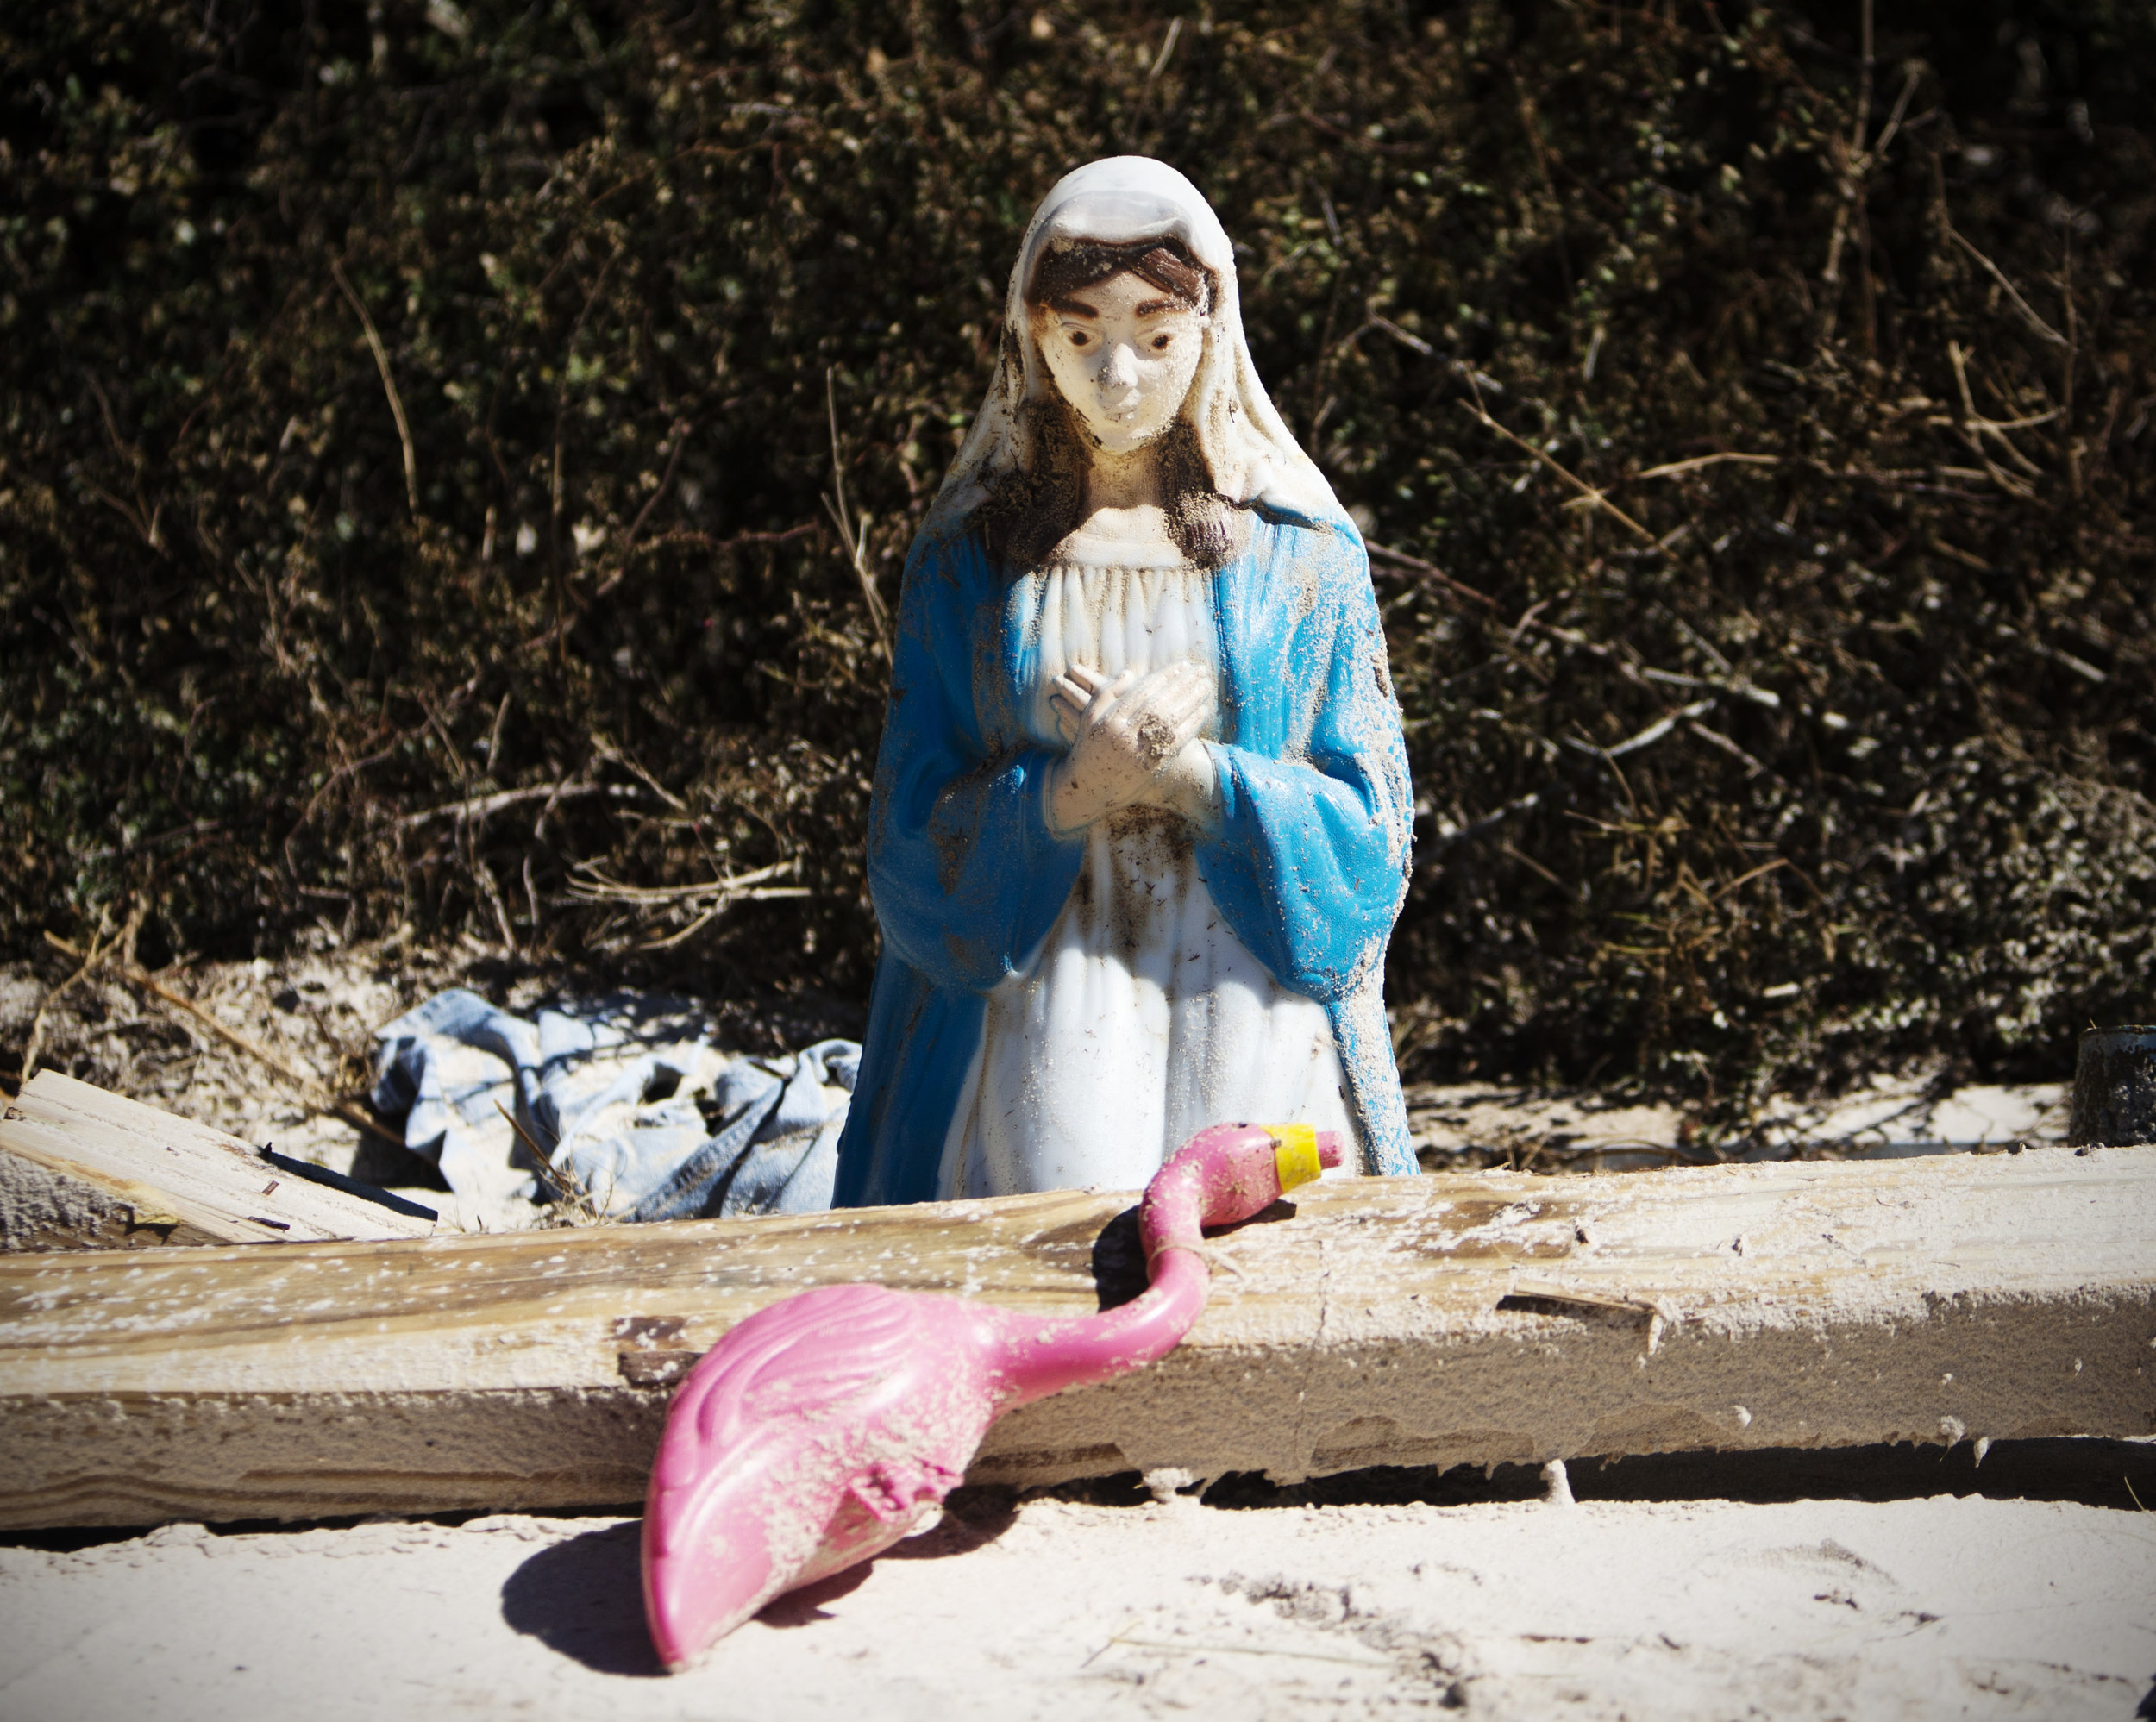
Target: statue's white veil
[(1249, 451)]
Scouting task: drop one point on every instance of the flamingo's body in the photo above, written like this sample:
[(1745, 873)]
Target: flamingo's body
[(825, 1428)]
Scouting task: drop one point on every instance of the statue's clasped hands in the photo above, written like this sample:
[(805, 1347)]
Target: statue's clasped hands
[(1133, 740)]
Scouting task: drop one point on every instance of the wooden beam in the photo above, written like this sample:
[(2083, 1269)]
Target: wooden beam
[(81, 1168), (1429, 1321)]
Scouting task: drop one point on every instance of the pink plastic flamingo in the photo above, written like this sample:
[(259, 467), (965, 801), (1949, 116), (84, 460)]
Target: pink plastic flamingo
[(825, 1428)]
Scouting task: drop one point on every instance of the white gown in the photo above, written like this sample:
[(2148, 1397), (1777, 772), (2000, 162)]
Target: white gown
[(1142, 1018)]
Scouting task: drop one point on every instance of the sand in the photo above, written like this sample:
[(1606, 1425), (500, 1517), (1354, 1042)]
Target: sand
[(1917, 1608)]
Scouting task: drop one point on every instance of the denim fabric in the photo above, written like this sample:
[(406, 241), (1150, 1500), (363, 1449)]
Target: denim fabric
[(617, 1095)]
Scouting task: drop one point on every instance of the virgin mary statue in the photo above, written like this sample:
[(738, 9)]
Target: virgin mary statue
[(1140, 826)]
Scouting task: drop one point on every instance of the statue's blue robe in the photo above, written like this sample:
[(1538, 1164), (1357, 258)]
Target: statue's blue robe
[(1308, 860)]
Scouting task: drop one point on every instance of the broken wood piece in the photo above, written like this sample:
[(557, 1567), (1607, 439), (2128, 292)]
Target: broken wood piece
[(312, 1092), (1794, 1305), (80, 1168)]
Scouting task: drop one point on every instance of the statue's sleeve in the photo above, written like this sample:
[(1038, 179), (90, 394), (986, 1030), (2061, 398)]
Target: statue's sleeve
[(967, 876), (1309, 856)]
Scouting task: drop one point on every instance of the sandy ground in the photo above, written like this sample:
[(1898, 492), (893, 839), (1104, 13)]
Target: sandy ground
[(1912, 1608), (1581, 1130)]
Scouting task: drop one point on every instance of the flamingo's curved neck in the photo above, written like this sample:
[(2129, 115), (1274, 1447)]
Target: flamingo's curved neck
[(1043, 1357), (1223, 1174)]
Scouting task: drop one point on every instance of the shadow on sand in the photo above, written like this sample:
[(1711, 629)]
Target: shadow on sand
[(584, 1598)]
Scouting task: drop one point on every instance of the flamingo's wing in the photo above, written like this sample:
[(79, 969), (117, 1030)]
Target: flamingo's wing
[(752, 1467), (807, 1356)]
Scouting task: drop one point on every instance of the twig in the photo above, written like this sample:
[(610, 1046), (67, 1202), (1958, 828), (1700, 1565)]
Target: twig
[(856, 543), (1728, 682), (718, 908), (479, 806), (1354, 139), (1863, 83), (570, 1190), (1617, 771), (1586, 490), (1529, 862), (1997, 274), (605, 889), (1167, 48), (525, 1138), (1145, 102), (1398, 333), (1746, 878), (2073, 339), (1831, 275), (127, 509), (702, 540), (98, 947), (629, 538), (198, 828), (126, 451), (558, 496), (491, 889), (1974, 426), (1854, 165), (744, 887), (1894, 121), (604, 749), (673, 459), (1653, 733), (455, 755), (351, 770), (1385, 553), (313, 1094), (1527, 620), (1489, 822), (388, 385), (1752, 767), (1673, 467)]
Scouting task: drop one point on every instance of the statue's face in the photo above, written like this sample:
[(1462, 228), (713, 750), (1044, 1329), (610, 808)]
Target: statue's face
[(1122, 354)]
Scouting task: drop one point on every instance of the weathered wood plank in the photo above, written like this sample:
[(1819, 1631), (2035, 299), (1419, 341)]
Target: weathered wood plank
[(1438, 1320), (81, 1168)]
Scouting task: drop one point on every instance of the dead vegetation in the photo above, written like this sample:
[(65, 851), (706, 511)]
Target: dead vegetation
[(456, 462)]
